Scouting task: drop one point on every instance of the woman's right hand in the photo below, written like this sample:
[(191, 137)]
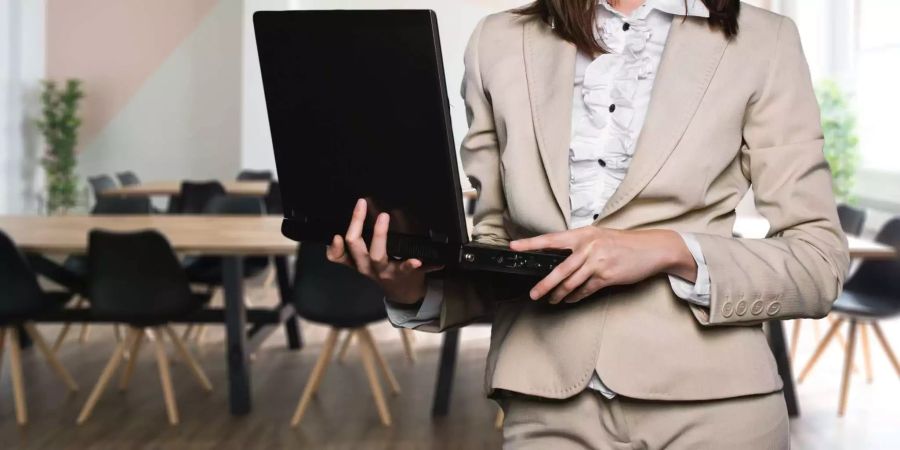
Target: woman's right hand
[(402, 281)]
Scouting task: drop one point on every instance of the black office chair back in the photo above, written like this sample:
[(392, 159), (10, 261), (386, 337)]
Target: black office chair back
[(196, 195), (273, 199), (235, 205), (880, 277), (128, 178), (136, 278), (852, 219), (255, 175), (101, 183), (20, 293), (334, 294), (122, 206)]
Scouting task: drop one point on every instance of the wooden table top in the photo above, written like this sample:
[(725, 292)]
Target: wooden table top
[(211, 235), (757, 227), (168, 188)]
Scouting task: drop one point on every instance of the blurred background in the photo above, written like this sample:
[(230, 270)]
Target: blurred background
[(153, 112)]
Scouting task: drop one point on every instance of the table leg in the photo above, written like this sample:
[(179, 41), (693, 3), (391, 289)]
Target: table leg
[(291, 326), (443, 388), (780, 351), (235, 336)]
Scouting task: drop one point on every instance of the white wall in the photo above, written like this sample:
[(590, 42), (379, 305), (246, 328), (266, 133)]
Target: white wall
[(456, 19), (21, 68)]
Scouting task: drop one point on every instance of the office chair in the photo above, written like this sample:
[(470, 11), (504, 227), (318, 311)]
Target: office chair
[(195, 196), (255, 175)]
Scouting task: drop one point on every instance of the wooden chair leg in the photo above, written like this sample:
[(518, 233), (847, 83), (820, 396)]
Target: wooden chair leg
[(345, 345), (18, 381), (315, 377), (823, 344), (887, 347), (867, 354), (85, 332), (165, 378), (105, 376), (187, 332), (199, 334), (407, 336), (61, 337), (54, 362), (848, 364), (192, 363), (368, 359), (795, 339), (365, 338), (132, 359), (498, 421), (2, 347), (117, 332)]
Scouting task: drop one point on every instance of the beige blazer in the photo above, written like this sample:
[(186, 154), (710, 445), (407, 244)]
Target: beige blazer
[(723, 114)]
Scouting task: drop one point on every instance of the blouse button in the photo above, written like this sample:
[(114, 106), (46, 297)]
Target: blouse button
[(596, 216), (612, 108), (601, 162), (626, 26)]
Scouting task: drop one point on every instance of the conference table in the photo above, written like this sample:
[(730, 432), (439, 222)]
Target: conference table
[(229, 237), (172, 188), (756, 227)]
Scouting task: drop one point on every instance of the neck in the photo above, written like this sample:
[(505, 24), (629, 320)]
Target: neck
[(626, 7)]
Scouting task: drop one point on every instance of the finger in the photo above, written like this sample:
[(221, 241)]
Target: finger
[(336, 252), (589, 288), (378, 248), (357, 220), (562, 240), (572, 283), (560, 273)]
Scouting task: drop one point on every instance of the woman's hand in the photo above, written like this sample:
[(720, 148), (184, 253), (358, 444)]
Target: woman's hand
[(604, 257), (402, 281)]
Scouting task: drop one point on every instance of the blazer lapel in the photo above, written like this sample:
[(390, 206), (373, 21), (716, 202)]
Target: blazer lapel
[(689, 61), (550, 72)]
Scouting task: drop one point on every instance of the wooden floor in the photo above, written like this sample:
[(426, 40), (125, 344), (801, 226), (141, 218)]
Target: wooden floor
[(343, 415)]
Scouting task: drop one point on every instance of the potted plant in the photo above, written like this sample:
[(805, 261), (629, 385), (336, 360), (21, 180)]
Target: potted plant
[(841, 140), (59, 125)]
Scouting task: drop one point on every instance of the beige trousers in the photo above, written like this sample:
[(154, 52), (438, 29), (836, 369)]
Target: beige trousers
[(591, 421)]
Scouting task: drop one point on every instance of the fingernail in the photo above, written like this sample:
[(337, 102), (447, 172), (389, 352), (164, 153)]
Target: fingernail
[(533, 295)]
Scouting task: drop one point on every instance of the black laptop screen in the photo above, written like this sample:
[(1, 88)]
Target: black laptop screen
[(358, 108)]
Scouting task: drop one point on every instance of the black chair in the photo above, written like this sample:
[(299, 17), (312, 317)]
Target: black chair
[(340, 298), (136, 279), (852, 219), (873, 294), (255, 175), (273, 199), (21, 302), (128, 178), (100, 184), (195, 195)]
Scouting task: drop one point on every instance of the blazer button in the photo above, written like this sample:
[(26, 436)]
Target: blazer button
[(773, 308), (727, 310), (741, 308), (757, 308)]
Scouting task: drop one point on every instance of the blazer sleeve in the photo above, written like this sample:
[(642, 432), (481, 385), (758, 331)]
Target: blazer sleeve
[(468, 296), (798, 270)]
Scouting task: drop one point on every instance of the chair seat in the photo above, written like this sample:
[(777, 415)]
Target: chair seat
[(50, 301), (866, 305), (208, 270), (148, 318)]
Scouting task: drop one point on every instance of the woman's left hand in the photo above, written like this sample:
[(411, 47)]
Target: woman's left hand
[(604, 257)]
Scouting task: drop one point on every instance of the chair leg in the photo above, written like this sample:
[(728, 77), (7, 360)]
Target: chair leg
[(820, 349), (50, 356), (132, 359), (85, 332), (61, 337), (165, 378), (348, 338), (108, 372), (498, 421), (887, 347), (867, 355), (407, 336), (187, 332), (368, 359), (315, 377), (18, 381), (366, 338), (848, 364), (2, 347), (192, 363), (117, 332), (795, 339)]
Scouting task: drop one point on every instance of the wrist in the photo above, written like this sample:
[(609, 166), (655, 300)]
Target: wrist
[(677, 259)]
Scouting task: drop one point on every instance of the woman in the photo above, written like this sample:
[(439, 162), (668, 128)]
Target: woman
[(649, 334)]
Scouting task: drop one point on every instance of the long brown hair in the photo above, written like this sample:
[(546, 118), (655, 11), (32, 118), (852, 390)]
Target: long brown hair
[(573, 20)]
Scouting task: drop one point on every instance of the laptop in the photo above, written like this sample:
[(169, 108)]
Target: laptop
[(358, 108)]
